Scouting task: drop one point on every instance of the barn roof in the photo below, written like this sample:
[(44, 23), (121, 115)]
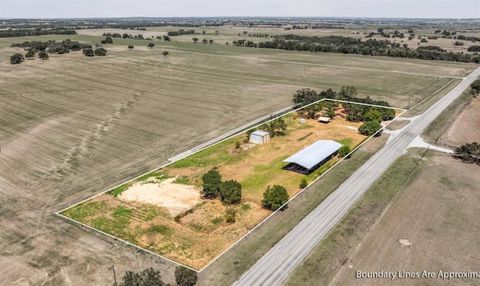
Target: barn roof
[(312, 155)]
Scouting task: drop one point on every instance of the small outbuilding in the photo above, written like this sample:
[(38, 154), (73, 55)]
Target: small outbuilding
[(311, 157), (259, 137), (324, 119)]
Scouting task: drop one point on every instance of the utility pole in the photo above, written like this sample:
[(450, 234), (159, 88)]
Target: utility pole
[(114, 276)]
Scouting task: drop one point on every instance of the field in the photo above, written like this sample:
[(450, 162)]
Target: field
[(162, 211), (439, 222), (73, 125)]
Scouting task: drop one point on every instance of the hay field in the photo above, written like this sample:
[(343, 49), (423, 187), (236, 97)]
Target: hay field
[(72, 126)]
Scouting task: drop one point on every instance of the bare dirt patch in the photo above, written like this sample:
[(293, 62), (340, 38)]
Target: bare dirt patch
[(177, 198)]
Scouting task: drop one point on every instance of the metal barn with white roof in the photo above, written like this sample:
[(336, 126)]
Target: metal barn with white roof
[(312, 156)]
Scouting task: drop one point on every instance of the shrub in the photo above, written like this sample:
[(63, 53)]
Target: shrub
[(303, 183), (43, 55), (151, 45), (100, 52), (230, 215), (343, 151), (146, 277), (230, 192), (130, 47), (30, 54), (185, 276), (88, 52), (17, 59), (274, 197), (370, 127), (468, 153), (211, 183)]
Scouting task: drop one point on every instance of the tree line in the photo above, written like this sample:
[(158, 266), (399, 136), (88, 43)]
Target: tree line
[(35, 32), (349, 45)]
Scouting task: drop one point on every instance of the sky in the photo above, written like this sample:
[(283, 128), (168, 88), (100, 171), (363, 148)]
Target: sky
[(205, 8)]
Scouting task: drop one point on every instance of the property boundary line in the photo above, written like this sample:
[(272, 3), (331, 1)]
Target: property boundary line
[(254, 124)]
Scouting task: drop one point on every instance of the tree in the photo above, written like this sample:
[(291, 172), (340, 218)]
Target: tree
[(370, 127), (469, 153), (30, 54), (195, 40), (347, 92), (373, 114), (165, 53), (130, 47), (100, 52), (205, 41), (303, 183), (17, 59), (305, 96), (230, 192), (151, 45), (475, 87), (88, 52), (274, 197), (185, 276), (210, 41), (43, 55), (343, 151), (330, 110), (147, 277), (211, 183), (276, 127), (166, 38)]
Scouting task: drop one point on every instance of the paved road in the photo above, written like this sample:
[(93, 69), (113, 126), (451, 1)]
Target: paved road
[(275, 266)]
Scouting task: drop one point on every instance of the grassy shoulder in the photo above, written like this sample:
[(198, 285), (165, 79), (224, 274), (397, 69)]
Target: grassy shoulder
[(435, 130), (327, 258), (243, 255)]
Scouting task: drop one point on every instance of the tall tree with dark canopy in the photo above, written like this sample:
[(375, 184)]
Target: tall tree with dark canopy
[(231, 192), (147, 277), (274, 197), (211, 183), (185, 276)]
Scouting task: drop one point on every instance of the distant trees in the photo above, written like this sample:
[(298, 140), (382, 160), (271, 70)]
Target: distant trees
[(274, 197), (350, 45), (107, 40), (166, 38), (195, 40), (43, 55), (205, 41), (230, 192), (165, 53), (210, 41), (185, 276), (474, 49), (16, 59), (30, 54), (147, 277), (151, 45), (130, 47), (211, 183), (370, 127), (88, 52), (100, 52), (468, 153)]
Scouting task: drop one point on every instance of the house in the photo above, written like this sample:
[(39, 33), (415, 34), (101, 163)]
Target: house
[(259, 137), (324, 119), (313, 156)]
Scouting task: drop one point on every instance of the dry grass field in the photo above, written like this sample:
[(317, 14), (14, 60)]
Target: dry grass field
[(194, 231), (438, 215), (72, 126)]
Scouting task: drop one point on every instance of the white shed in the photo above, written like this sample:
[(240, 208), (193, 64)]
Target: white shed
[(259, 137), (324, 119)]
